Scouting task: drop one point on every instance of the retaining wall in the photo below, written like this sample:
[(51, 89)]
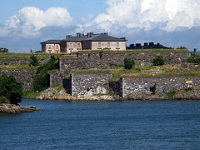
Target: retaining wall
[(105, 60), (87, 85), (23, 76), (131, 87)]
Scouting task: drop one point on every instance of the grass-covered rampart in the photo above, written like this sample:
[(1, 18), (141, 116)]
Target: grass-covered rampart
[(137, 51)]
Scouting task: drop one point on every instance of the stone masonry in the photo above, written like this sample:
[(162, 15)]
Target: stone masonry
[(87, 85), (23, 76), (131, 87), (106, 60)]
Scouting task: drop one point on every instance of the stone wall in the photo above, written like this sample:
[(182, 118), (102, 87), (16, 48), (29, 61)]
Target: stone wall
[(14, 62), (106, 60), (87, 85), (56, 78), (132, 87), (23, 76)]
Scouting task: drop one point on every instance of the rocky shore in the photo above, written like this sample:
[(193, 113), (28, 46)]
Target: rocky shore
[(52, 94), (13, 109)]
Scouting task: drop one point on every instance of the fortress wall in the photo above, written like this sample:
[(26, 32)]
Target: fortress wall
[(23, 76), (105, 60), (131, 87), (86, 85)]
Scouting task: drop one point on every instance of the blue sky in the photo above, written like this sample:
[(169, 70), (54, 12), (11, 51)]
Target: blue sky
[(25, 23)]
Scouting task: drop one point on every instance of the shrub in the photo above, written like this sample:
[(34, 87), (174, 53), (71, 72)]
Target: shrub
[(40, 81), (182, 47), (158, 61), (3, 100), (153, 89), (10, 89), (128, 63), (171, 94), (34, 61), (3, 50), (194, 58)]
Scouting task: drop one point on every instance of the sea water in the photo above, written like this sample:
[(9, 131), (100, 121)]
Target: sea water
[(103, 125)]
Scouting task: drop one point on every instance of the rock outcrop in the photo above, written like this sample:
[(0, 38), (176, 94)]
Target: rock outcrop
[(13, 109), (52, 94)]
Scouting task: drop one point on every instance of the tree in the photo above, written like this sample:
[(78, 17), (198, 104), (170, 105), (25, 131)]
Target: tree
[(3, 50), (34, 61), (40, 81), (10, 89), (128, 63), (158, 61)]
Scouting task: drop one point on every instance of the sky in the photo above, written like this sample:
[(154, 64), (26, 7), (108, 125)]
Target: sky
[(26, 23)]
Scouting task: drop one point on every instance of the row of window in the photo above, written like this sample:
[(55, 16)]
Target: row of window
[(51, 47), (79, 45), (71, 45), (108, 44)]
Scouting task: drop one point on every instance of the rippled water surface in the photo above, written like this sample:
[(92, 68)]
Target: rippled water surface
[(103, 125)]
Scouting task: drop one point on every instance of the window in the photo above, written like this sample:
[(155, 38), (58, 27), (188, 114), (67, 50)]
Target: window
[(117, 44), (57, 47), (49, 46), (99, 44), (108, 44), (70, 45)]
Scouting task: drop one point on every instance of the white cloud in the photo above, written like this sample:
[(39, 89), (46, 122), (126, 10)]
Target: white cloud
[(30, 20), (167, 15)]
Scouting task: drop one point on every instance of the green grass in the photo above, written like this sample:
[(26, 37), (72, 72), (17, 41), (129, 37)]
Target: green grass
[(91, 71), (30, 94), (26, 56), (137, 51), (165, 71), (18, 67), (58, 87)]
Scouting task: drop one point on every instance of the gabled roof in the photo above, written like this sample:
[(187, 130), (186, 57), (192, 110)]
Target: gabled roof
[(104, 37), (73, 39), (51, 42), (88, 37)]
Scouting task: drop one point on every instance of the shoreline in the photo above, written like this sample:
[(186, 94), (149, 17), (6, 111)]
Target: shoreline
[(51, 94), (14, 109)]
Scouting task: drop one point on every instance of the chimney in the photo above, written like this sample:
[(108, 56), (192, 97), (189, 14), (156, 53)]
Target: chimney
[(68, 36), (78, 35)]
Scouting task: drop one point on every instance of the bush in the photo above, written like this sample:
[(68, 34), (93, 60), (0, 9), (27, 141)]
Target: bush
[(153, 89), (171, 94), (34, 61), (194, 58), (10, 89), (40, 81), (3, 50), (158, 61), (128, 63), (3, 100)]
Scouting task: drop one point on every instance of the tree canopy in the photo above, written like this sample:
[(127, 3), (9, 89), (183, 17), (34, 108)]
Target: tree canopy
[(10, 89), (3, 50), (41, 79)]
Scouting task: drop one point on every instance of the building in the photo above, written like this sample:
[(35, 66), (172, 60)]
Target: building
[(80, 42), (51, 46)]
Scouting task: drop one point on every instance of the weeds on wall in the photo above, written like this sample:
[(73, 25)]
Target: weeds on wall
[(171, 94), (40, 81), (128, 63), (194, 58), (153, 89), (158, 61)]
